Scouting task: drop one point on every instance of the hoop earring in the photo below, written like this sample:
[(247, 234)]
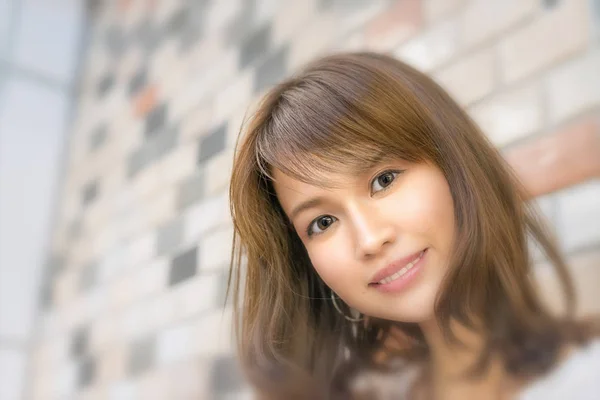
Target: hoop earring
[(339, 310)]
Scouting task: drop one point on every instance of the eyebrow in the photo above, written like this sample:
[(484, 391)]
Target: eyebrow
[(305, 205)]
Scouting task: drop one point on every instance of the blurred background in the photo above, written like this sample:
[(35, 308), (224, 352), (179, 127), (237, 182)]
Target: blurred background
[(117, 126)]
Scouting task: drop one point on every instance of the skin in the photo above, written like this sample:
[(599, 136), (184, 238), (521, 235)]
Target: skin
[(393, 211), (362, 223)]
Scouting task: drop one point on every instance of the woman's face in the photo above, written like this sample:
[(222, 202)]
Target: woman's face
[(382, 240)]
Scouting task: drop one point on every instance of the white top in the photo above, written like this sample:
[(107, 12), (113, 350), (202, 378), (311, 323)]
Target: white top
[(576, 378)]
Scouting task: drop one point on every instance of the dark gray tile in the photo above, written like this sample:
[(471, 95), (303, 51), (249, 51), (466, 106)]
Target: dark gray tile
[(183, 267), (89, 276), (156, 120), (79, 343), (138, 82), (169, 237), (212, 144), (152, 150), (98, 137), (272, 69), (90, 192), (87, 372), (106, 83), (141, 357), (255, 46), (191, 190), (226, 376)]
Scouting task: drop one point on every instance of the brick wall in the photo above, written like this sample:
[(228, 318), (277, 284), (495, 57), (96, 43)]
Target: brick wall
[(133, 303)]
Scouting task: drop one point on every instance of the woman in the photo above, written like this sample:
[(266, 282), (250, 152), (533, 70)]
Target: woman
[(385, 247)]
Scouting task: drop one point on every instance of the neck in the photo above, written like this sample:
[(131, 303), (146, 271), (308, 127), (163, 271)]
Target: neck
[(450, 363)]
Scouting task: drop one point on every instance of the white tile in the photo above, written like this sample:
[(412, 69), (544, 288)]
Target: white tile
[(151, 279), (512, 115), (197, 295), (112, 264), (175, 343), (204, 216), (66, 382), (47, 37), (574, 87), (215, 249), (141, 249), (12, 371), (578, 215), (214, 335), (123, 390), (431, 48)]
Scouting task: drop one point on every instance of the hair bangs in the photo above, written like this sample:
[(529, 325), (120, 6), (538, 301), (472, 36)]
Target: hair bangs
[(326, 131)]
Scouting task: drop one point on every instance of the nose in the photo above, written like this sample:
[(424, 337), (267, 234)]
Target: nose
[(373, 231)]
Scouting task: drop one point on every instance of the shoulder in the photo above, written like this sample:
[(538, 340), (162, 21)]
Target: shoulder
[(577, 377)]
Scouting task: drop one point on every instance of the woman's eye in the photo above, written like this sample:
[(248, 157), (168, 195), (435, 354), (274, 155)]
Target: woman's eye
[(383, 180), (320, 224)]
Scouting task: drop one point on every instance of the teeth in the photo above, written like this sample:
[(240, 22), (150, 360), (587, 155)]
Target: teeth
[(398, 274)]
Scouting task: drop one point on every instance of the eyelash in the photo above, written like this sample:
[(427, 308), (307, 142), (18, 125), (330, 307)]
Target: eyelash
[(310, 232)]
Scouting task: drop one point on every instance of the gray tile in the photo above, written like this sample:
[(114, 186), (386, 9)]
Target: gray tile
[(255, 46), (191, 190), (212, 144), (90, 192), (222, 290), (106, 83), (190, 35), (226, 376), (79, 343), (141, 357), (152, 150), (138, 82), (115, 40), (242, 24), (87, 372), (89, 276), (147, 35), (156, 120), (55, 264), (75, 229), (183, 267), (46, 296), (98, 137), (595, 11), (549, 4), (272, 69), (170, 236), (177, 22)]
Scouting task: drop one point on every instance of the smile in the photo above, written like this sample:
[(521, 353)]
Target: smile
[(403, 271)]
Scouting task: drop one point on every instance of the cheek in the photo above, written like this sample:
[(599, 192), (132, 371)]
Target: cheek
[(331, 262), (427, 209)]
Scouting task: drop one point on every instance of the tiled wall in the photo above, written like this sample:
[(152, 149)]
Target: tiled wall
[(134, 300)]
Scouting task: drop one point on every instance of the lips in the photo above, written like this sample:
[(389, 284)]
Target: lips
[(396, 268)]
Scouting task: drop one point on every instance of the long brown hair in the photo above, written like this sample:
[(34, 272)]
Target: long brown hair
[(346, 112)]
